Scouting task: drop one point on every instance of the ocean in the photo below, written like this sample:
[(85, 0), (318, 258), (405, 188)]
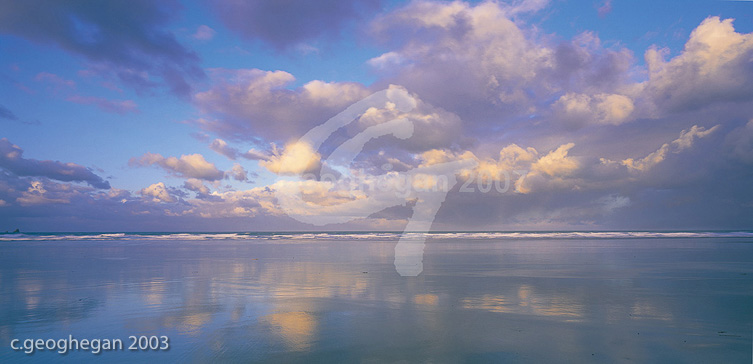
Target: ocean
[(518, 297)]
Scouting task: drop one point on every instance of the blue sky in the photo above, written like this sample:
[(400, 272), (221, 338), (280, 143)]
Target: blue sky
[(624, 114)]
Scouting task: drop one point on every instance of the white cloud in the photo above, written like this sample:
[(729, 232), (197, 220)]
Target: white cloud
[(515, 157), (189, 166), (474, 61), (158, 193), (577, 108), (36, 194), (295, 158), (521, 167), (557, 162), (331, 94), (716, 65), (685, 141), (438, 156), (246, 203), (550, 171), (433, 127), (251, 103), (386, 60), (499, 83), (482, 45)]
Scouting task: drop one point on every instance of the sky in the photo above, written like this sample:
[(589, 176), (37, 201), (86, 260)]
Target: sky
[(188, 116)]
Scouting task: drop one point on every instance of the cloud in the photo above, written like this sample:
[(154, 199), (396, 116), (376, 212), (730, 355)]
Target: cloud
[(386, 60), (478, 63), (438, 156), (125, 37), (251, 103), (5, 113), (715, 66), (220, 146), (614, 201), (37, 195), (204, 32), (550, 171), (515, 166), (433, 127), (471, 45), (685, 141), (237, 173), (557, 162), (269, 160), (604, 9), (12, 160), (487, 87), (56, 82), (579, 109), (254, 154), (157, 193), (500, 84), (739, 142), (295, 158), (187, 166), (228, 204), (303, 20), (59, 85), (525, 6), (113, 106), (196, 185)]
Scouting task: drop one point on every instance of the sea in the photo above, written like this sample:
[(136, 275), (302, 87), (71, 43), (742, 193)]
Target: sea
[(337, 297)]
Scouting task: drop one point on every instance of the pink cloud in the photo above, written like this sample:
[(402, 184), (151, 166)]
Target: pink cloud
[(55, 82), (605, 8), (113, 106), (204, 32)]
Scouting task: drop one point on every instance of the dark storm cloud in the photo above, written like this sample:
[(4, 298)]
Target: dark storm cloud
[(125, 38), (283, 24), (11, 159)]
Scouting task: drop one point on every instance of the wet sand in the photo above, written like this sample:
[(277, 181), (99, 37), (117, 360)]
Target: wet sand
[(533, 301)]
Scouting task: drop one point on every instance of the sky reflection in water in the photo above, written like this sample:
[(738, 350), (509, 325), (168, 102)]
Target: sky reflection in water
[(647, 300)]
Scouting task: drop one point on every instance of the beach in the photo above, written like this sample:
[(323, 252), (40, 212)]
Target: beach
[(338, 298)]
